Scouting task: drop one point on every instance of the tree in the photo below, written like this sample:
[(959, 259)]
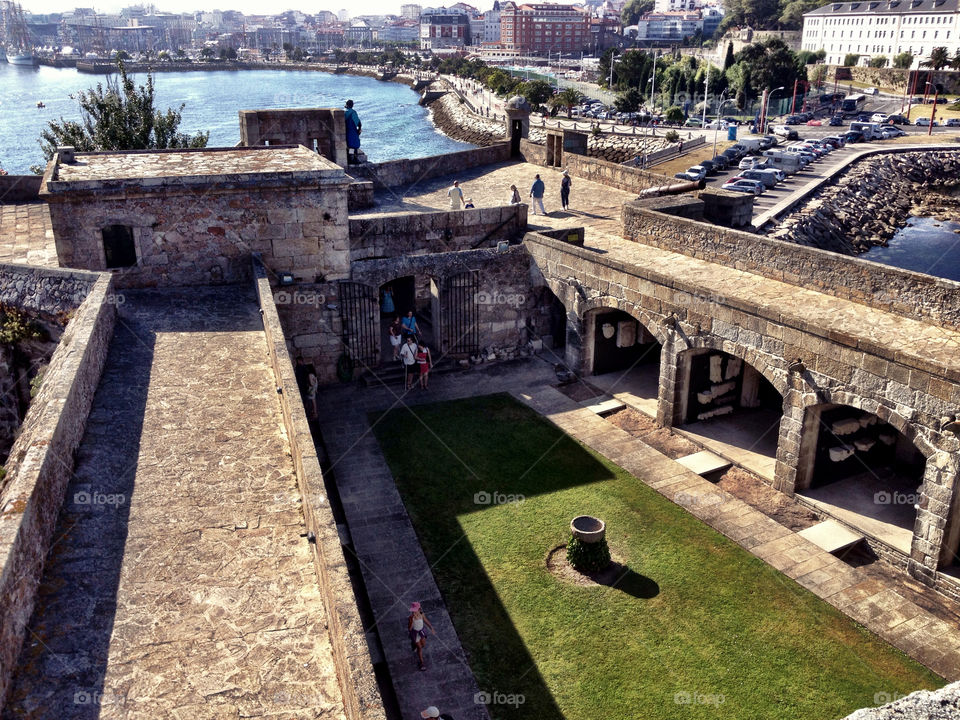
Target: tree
[(634, 9), (163, 56), (955, 61), (567, 98), (629, 101), (207, 52), (728, 59), (180, 52), (674, 115), (850, 59), (903, 61), (879, 61), (536, 91), (228, 53), (122, 55), (939, 59), (119, 116), (768, 64)]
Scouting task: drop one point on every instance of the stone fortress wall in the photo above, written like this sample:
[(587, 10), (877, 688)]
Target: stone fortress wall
[(42, 458)]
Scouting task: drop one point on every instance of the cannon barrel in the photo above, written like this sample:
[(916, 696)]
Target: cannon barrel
[(674, 189)]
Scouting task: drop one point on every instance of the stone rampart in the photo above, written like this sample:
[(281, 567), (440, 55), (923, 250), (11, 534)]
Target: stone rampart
[(41, 461), (397, 234), (19, 188), (351, 654), (905, 389), (612, 174), (49, 293), (905, 293), (400, 173)]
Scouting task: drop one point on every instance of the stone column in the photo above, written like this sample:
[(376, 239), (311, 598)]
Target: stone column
[(797, 440), (929, 548)]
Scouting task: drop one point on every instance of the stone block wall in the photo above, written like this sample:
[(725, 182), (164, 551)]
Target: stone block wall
[(908, 392), (400, 173), (351, 653), (322, 130), (396, 234), (905, 293), (205, 236), (310, 315), (41, 463), (49, 293), (19, 189), (613, 174)]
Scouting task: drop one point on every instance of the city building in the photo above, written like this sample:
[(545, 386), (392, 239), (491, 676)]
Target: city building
[(410, 11), (542, 28), (887, 28), (399, 31), (444, 28), (669, 26), (491, 24)]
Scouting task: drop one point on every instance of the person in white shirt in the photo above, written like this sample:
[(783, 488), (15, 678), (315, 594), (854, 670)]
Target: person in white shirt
[(456, 196)]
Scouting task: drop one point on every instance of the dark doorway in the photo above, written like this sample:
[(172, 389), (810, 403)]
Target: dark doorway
[(461, 333), (516, 132), (397, 296), (620, 343)]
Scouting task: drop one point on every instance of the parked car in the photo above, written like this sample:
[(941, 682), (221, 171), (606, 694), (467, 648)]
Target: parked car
[(836, 141), (709, 167), (952, 122), (768, 179), (785, 132), (897, 120), (925, 122), (890, 131), (747, 163), (814, 123), (721, 162), (871, 91), (732, 120), (853, 136), (697, 172), (767, 142), (792, 120), (743, 185), (879, 117), (837, 121), (692, 122)]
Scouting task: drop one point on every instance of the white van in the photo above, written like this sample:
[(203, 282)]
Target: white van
[(788, 162)]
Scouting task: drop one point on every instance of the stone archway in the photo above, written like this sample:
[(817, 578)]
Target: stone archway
[(732, 401)]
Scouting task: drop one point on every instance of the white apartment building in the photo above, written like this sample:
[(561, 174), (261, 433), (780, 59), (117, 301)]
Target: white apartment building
[(882, 27)]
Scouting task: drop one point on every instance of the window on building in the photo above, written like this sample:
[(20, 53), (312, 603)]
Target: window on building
[(119, 248)]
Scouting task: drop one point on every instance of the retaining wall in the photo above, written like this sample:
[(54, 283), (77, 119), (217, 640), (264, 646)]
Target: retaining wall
[(351, 654), (19, 189), (399, 173), (398, 234), (41, 460)]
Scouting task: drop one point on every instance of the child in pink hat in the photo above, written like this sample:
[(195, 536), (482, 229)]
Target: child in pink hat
[(418, 635)]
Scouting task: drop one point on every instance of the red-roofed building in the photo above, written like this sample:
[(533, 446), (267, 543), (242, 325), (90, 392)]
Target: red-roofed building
[(533, 28)]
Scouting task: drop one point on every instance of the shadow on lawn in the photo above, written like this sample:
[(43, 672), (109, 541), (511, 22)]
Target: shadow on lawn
[(492, 449)]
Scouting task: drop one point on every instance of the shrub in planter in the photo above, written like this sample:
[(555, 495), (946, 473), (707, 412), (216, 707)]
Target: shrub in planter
[(588, 557)]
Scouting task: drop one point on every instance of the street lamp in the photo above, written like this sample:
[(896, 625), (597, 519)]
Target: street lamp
[(653, 80), (706, 92), (719, 114), (767, 94)]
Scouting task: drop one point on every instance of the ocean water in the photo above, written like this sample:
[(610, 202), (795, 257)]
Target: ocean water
[(394, 125), (925, 245)]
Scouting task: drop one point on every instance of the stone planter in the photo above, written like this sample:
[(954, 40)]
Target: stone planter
[(588, 529)]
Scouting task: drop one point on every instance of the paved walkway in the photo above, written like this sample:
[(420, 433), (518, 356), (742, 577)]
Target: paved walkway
[(26, 235), (179, 586), (396, 571)]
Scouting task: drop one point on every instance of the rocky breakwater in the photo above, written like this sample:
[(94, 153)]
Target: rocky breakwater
[(454, 119), (867, 204)]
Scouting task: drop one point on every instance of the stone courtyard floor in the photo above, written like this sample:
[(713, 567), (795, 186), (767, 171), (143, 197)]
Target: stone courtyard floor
[(179, 585), (396, 572), (593, 205), (26, 235)]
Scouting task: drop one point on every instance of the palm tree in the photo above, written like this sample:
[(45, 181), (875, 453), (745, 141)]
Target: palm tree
[(955, 61), (568, 98), (939, 59)]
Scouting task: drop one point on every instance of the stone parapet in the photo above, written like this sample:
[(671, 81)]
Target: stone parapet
[(19, 188), (400, 173), (397, 234), (49, 293), (358, 685), (910, 294), (42, 460)]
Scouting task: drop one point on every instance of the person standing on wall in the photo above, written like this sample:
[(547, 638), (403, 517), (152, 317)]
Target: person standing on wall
[(456, 196), (565, 184), (353, 132), (536, 192)]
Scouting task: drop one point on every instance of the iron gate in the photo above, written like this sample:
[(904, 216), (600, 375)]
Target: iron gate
[(461, 333), (360, 322)]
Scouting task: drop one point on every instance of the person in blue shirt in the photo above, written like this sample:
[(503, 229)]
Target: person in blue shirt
[(536, 192), (408, 326), (353, 132)]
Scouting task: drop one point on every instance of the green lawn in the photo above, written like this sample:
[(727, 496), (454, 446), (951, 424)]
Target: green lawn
[(696, 619)]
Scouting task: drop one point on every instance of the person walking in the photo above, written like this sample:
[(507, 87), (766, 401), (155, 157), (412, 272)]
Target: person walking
[(425, 362), (386, 305), (409, 327), (536, 192), (417, 633), (456, 196), (396, 337), (312, 388), (408, 356), (565, 184), (515, 198)]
